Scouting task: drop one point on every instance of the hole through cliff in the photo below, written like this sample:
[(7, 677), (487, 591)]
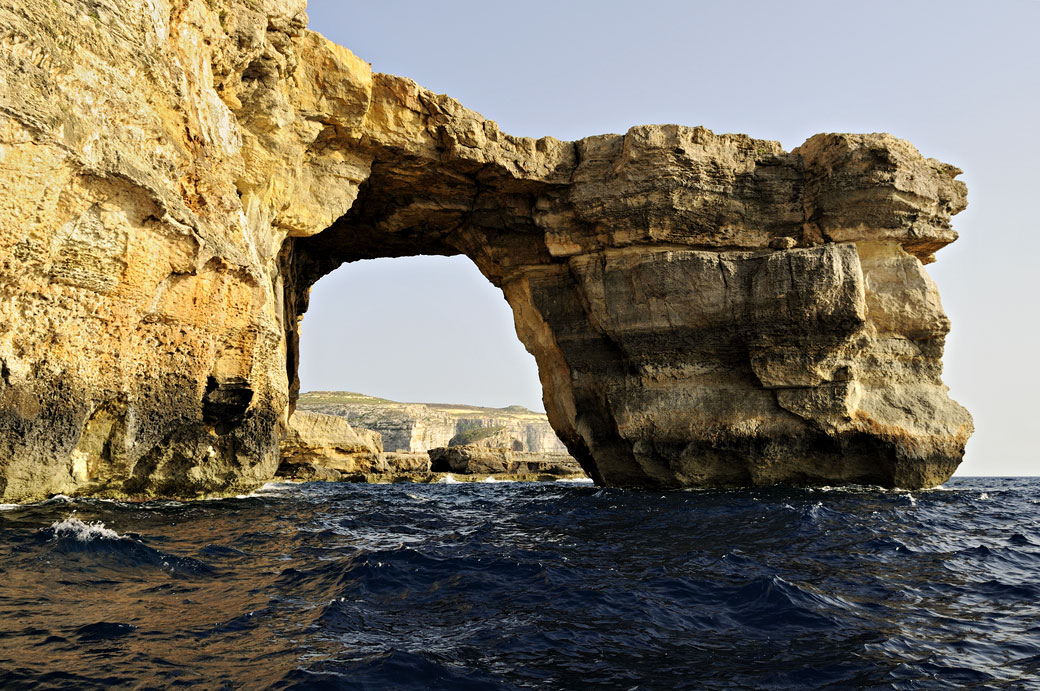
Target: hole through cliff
[(423, 329), (409, 296)]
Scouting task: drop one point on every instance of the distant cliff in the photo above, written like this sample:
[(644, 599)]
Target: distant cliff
[(418, 427), (332, 443)]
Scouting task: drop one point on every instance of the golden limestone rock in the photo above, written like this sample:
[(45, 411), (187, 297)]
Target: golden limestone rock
[(328, 441), (704, 309)]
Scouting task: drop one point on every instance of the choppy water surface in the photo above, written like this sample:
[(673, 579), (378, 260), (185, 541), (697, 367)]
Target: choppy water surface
[(548, 585)]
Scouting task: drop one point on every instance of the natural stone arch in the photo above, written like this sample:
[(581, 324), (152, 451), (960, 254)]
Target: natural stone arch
[(704, 309), (693, 318)]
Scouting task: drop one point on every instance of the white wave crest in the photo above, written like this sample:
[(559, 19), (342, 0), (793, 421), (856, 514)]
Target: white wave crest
[(448, 480), (84, 532), (58, 499), (269, 489)]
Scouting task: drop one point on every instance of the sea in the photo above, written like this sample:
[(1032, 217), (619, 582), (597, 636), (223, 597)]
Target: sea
[(552, 585)]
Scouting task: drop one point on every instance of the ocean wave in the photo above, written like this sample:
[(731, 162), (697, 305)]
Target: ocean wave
[(540, 585), (58, 499), (385, 667), (76, 539), (1020, 540), (72, 527), (269, 490), (771, 602), (103, 631)]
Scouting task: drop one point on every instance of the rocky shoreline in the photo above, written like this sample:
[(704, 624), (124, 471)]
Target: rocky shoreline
[(325, 447), (419, 427), (434, 477)]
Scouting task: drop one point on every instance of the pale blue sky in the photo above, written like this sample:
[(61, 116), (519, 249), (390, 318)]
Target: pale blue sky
[(961, 80)]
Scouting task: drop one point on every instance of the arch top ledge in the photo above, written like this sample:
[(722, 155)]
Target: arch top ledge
[(705, 309)]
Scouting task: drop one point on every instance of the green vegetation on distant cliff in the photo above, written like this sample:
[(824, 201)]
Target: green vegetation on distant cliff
[(474, 434), (314, 398), (341, 397)]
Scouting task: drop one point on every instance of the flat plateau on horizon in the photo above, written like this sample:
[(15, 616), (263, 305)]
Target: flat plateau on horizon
[(457, 409)]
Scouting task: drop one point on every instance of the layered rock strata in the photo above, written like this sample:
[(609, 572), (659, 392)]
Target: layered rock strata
[(326, 447), (704, 309), (419, 427), (327, 441), (320, 446)]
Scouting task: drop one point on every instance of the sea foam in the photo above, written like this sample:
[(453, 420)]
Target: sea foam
[(269, 489), (72, 527)]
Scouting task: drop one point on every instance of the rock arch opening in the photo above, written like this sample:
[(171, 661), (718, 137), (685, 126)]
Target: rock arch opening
[(409, 366), (415, 329), (704, 309)]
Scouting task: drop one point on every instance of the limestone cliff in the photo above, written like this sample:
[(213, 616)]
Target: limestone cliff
[(330, 442), (318, 446), (704, 309), (419, 427)]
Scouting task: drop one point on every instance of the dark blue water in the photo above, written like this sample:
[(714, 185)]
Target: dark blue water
[(544, 585)]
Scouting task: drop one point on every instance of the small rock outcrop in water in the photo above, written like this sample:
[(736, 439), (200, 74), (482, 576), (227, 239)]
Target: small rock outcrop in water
[(475, 460), (704, 309), (315, 441)]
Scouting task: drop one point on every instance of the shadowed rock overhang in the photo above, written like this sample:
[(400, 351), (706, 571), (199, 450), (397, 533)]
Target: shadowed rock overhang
[(705, 310)]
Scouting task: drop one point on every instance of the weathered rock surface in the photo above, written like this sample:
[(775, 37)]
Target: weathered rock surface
[(322, 446), (326, 447), (704, 309), (468, 459), (419, 427), (406, 462), (330, 442)]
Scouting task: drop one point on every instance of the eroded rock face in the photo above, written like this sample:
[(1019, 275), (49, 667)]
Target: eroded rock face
[(471, 459), (704, 309), (330, 442)]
